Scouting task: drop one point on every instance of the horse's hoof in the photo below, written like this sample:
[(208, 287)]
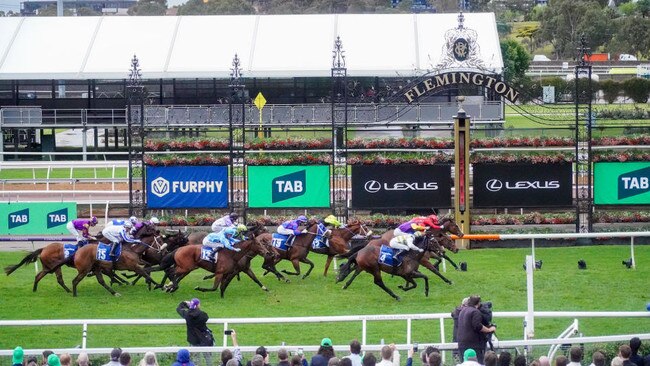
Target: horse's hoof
[(400, 287), (117, 294), (197, 288), (398, 298), (265, 289)]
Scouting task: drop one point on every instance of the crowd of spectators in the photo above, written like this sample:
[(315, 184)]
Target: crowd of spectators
[(628, 355)]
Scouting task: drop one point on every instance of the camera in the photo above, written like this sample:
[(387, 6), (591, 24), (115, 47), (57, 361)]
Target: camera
[(227, 332), (415, 347)]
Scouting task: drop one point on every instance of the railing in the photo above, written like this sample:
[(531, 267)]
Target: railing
[(227, 323)]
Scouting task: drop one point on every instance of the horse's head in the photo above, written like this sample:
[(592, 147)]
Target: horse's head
[(175, 239), (147, 229), (446, 242), (449, 225), (357, 227), (258, 247), (256, 228)]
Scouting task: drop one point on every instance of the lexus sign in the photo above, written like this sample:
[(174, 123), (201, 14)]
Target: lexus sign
[(522, 185), (403, 186)]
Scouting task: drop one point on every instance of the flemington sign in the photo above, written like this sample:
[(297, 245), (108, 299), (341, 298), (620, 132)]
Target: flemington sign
[(434, 83)]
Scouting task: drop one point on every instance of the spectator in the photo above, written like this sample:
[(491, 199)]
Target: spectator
[(296, 360), (32, 361), (617, 361), (258, 360), (198, 333), (53, 360), (232, 362), (355, 353), (345, 362), (535, 363), (490, 359), (369, 359), (325, 352), (46, 354), (125, 359), (149, 359), (597, 359), (454, 333), (424, 356), (471, 331), (575, 355), (409, 356), (544, 361), (435, 359), (18, 356), (283, 357), (635, 344), (82, 359), (389, 356), (65, 359), (227, 355), (470, 358), (520, 360), (504, 358), (183, 358), (261, 350), (334, 361), (625, 352), (115, 357), (559, 361)]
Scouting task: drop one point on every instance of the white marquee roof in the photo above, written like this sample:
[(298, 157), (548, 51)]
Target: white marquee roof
[(204, 46)]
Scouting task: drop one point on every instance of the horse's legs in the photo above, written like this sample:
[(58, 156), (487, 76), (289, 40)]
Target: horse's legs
[(140, 271), (356, 273), (269, 266), (208, 276), (250, 274), (327, 264), (217, 280), (80, 276), (59, 279), (417, 274), (379, 282), (409, 285), (296, 266), (100, 279), (311, 266), (445, 256), (176, 279), (433, 268)]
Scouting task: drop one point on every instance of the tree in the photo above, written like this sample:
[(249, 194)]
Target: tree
[(149, 7), (50, 11), (633, 36), (87, 12), (637, 89), (529, 32), (611, 89), (515, 60), (215, 7)]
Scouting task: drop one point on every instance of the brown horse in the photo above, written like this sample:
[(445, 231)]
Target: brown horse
[(184, 260), (367, 259), (52, 257), (339, 241)]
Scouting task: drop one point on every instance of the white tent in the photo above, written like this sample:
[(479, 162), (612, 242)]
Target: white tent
[(204, 46)]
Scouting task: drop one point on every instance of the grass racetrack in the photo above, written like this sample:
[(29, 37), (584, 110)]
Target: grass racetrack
[(496, 274)]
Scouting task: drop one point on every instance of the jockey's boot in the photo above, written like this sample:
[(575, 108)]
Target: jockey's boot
[(290, 240), (399, 252), (111, 253)]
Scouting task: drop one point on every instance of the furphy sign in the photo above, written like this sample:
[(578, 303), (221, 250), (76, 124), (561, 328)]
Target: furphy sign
[(622, 183), (187, 187), (403, 186), (522, 185), (36, 218), (289, 186)]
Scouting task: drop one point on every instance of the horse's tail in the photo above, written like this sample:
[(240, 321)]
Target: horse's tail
[(347, 268), (30, 258)]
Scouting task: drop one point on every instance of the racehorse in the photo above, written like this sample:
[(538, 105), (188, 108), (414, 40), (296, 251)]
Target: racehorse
[(297, 253), (339, 241), (184, 260), (52, 257), (367, 259)]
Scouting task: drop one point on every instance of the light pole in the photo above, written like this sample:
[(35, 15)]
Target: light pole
[(339, 101), (583, 165)]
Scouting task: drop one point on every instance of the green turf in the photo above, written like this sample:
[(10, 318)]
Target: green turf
[(41, 173), (495, 274)]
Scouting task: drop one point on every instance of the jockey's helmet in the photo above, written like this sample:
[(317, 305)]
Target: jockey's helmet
[(241, 228), (302, 218), (93, 220), (154, 220), (233, 216), (434, 218), (133, 219), (128, 224)]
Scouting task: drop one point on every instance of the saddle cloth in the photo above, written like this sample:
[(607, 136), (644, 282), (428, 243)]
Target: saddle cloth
[(280, 241), (69, 250), (387, 256), (207, 253), (104, 249), (320, 241)]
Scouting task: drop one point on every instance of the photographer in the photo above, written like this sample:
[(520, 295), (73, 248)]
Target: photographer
[(471, 330), (198, 333)]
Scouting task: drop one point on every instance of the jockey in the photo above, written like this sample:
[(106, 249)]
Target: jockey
[(117, 234), (430, 222), (224, 222), (290, 228), (79, 228), (223, 239), (138, 225), (404, 236), (331, 220)]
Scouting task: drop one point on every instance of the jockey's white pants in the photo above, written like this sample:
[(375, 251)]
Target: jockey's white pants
[(108, 235), (284, 231), (404, 242), (75, 232), (211, 244), (397, 232)]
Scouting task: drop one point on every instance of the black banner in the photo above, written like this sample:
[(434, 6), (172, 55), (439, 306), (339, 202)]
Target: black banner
[(401, 186), (522, 185)]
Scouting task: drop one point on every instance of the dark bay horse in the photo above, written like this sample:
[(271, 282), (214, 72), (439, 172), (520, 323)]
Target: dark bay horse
[(339, 241), (296, 254), (367, 259), (52, 257)]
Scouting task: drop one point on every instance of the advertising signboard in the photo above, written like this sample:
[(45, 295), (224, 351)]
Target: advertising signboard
[(522, 185), (187, 186), (28, 218), (401, 186), (289, 186), (622, 183)]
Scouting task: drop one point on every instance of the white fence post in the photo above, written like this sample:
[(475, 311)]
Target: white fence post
[(632, 252), (84, 336), (529, 327)]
